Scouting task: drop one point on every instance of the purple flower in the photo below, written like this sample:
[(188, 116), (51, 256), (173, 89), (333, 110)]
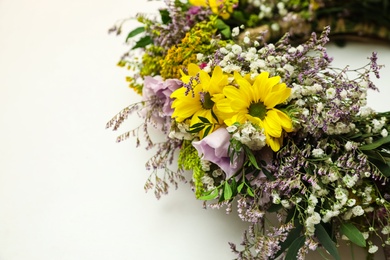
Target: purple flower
[(157, 88), (156, 93), (214, 148)]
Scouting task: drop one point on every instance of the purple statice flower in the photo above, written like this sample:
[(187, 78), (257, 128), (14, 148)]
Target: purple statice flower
[(214, 148), (156, 94)]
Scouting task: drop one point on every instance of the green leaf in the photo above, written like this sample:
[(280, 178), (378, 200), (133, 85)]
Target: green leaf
[(238, 15), (292, 251), (208, 129), (251, 157), (249, 191), (268, 174), (291, 214), (239, 188), (204, 120), (197, 125), (326, 241), (375, 144), (294, 233), (223, 28), (233, 185), (144, 41), (214, 116), (195, 130), (384, 168), (212, 195), (165, 18), (274, 207), (353, 234), (135, 32), (227, 191)]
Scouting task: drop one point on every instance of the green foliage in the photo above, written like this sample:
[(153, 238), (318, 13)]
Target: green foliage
[(189, 160), (326, 241), (293, 249), (205, 125), (135, 32), (353, 234), (165, 18), (223, 28), (143, 42)]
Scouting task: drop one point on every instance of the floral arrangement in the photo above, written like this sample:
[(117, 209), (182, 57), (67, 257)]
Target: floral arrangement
[(255, 116)]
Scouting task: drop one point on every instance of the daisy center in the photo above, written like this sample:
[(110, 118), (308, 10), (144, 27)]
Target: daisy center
[(257, 110), (207, 103)]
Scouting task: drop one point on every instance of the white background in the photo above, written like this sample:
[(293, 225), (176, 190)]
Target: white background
[(67, 190)]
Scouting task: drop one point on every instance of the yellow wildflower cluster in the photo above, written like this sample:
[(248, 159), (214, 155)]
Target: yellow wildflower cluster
[(197, 40), (151, 61)]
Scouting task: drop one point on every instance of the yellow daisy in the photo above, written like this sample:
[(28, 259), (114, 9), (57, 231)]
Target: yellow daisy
[(200, 100), (255, 102)]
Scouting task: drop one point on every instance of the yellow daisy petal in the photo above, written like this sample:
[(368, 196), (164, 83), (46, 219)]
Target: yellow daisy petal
[(284, 120), (274, 143), (278, 97)]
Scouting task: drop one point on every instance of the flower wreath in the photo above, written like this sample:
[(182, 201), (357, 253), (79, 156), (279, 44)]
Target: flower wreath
[(245, 92)]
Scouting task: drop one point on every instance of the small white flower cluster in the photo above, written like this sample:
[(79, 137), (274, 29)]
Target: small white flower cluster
[(349, 146), (234, 56), (248, 135), (378, 126), (267, 8), (310, 223), (208, 181), (181, 132), (332, 176), (350, 181), (318, 153)]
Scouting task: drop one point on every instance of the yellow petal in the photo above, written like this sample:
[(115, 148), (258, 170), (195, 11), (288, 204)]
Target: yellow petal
[(193, 69), (246, 90), (271, 124), (284, 120), (260, 87), (178, 92), (183, 112), (254, 120), (205, 80), (274, 143), (198, 2), (278, 97)]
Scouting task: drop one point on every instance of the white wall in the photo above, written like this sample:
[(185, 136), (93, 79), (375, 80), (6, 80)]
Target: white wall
[(67, 190)]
